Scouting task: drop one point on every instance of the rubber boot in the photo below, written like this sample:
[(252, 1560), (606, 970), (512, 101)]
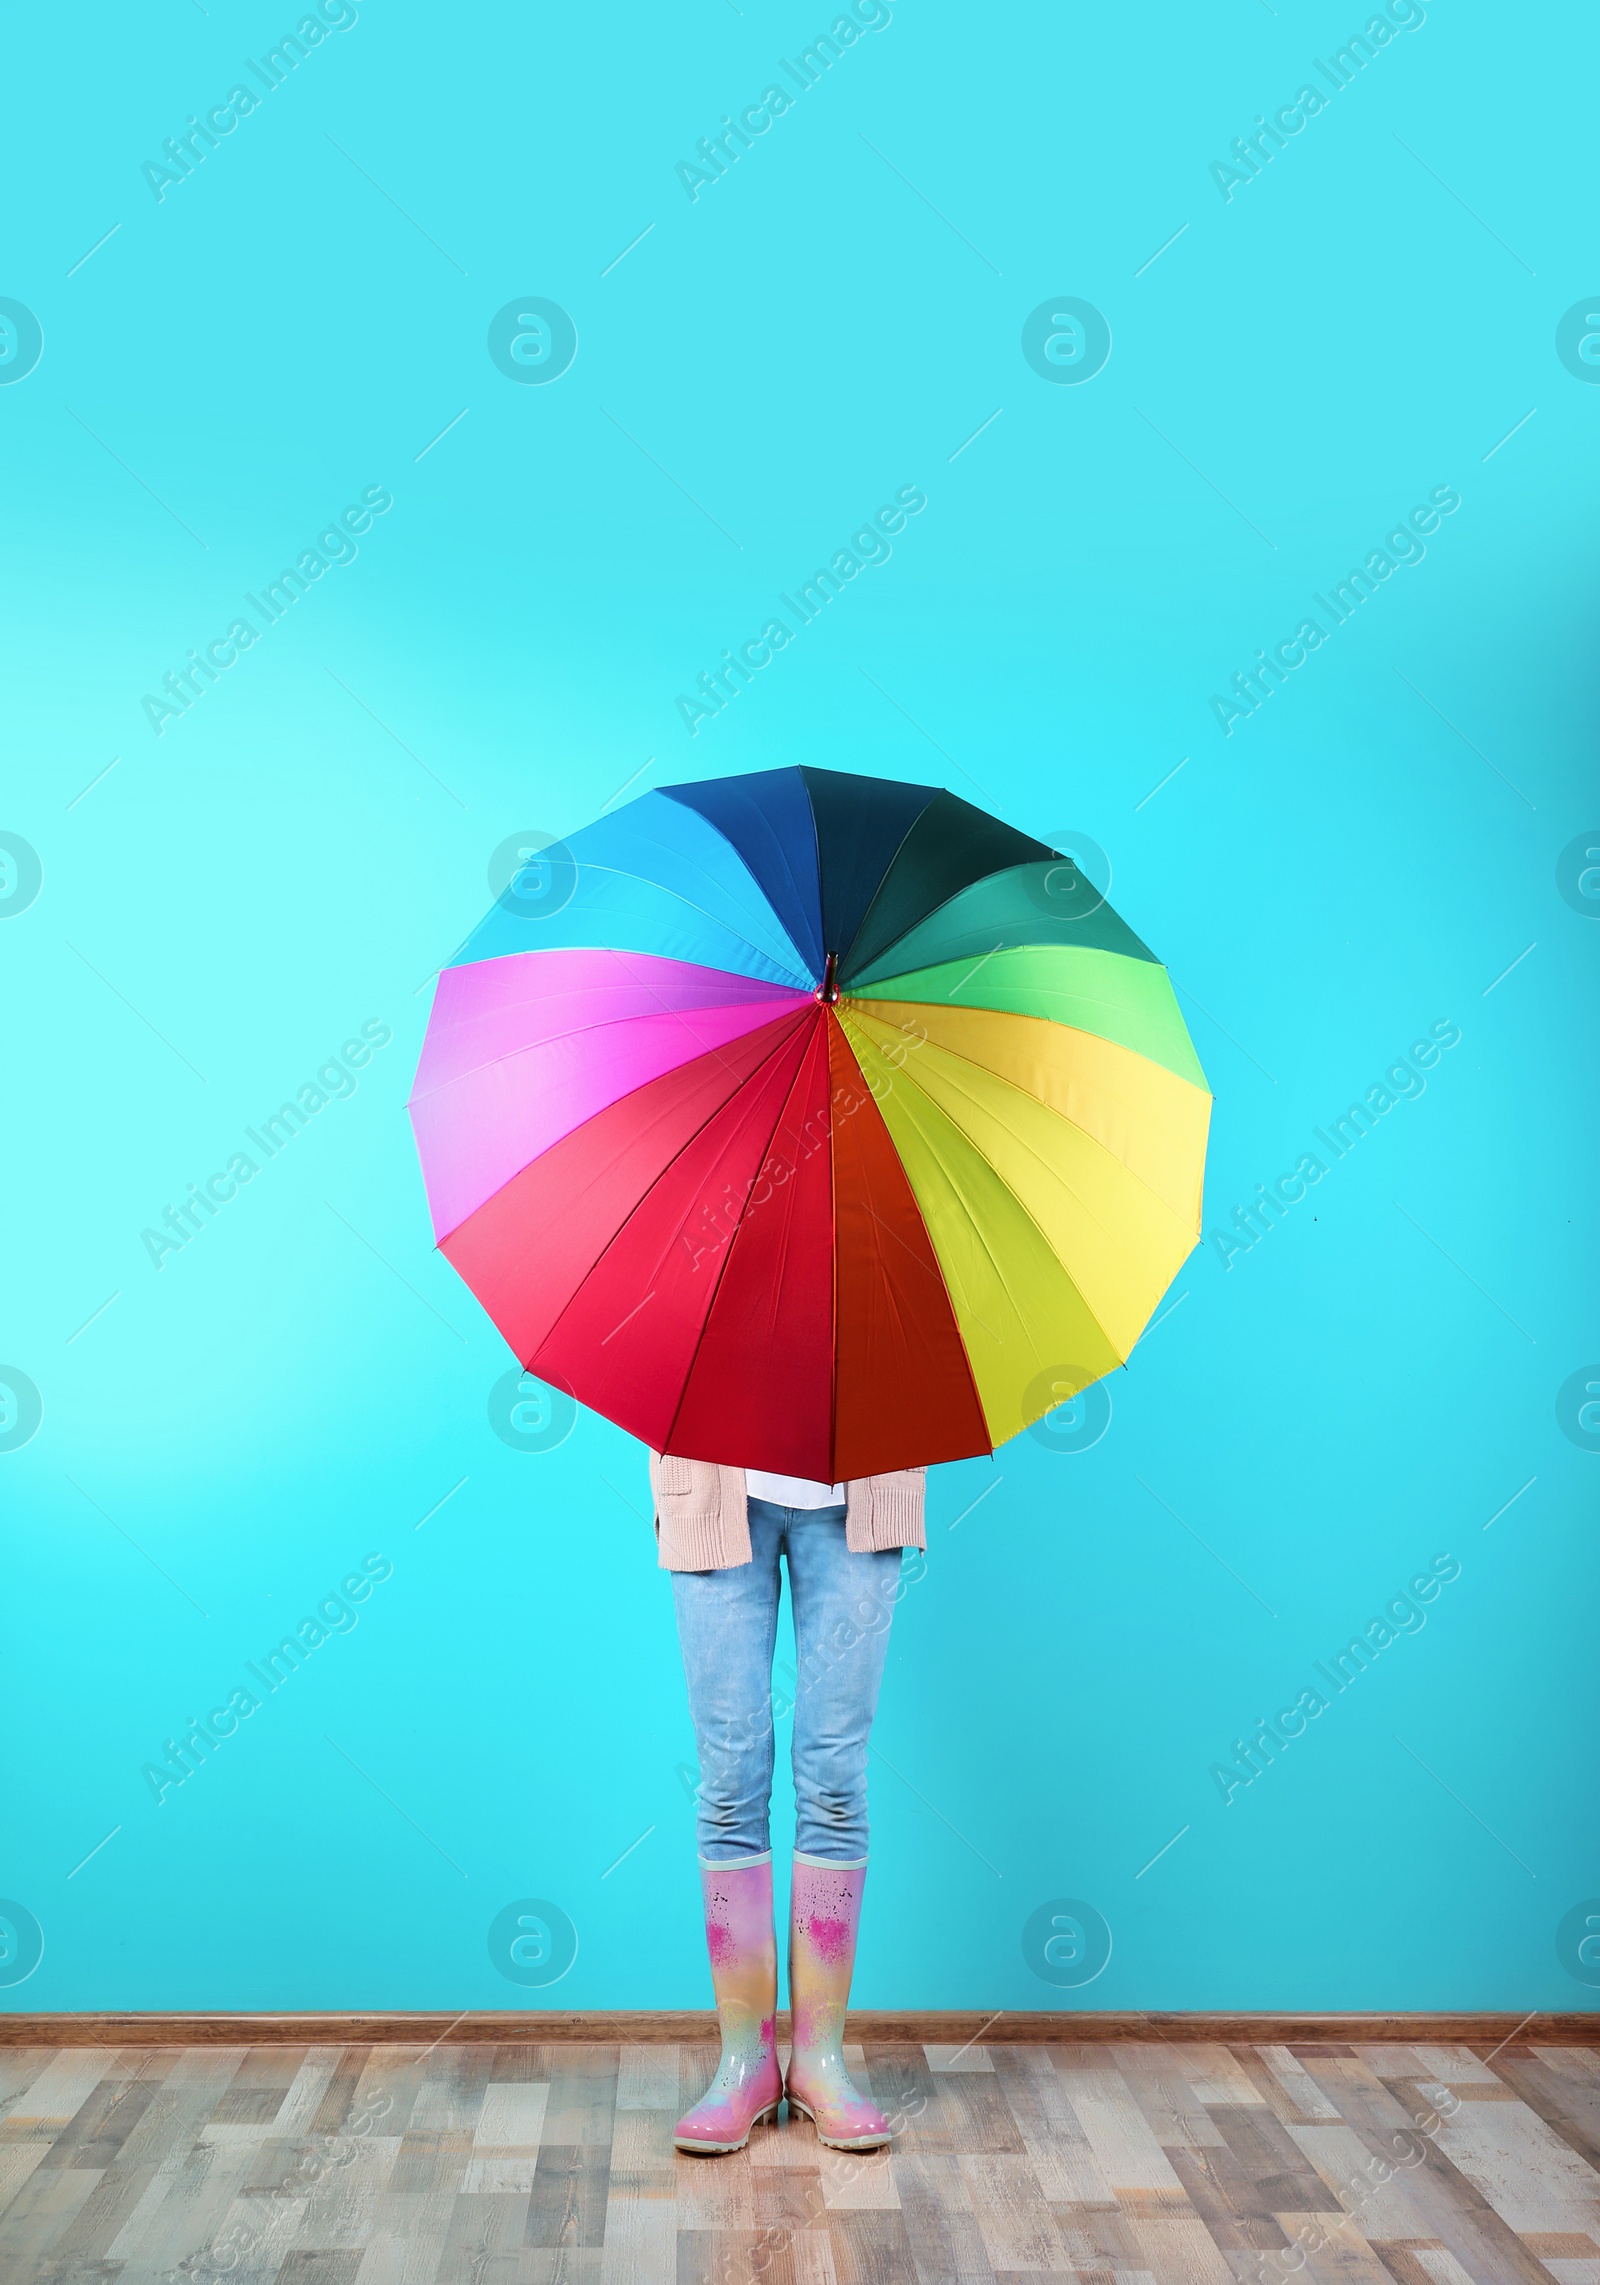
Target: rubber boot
[(824, 1915), (744, 1974)]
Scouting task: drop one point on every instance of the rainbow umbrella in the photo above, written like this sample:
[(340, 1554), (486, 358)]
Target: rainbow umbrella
[(810, 1122)]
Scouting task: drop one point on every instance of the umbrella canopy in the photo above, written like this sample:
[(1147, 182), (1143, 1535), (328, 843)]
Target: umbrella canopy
[(813, 1123)]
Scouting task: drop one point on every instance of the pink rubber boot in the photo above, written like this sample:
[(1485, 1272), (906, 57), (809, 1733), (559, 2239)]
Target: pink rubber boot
[(824, 1915), (744, 1974)]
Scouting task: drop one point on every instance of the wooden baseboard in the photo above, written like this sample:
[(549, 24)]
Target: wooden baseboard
[(608, 2028)]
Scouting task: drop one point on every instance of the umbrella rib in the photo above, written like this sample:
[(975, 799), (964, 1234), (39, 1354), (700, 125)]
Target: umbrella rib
[(727, 1258), (588, 1030), (993, 951), (1025, 944), (844, 950), (1022, 1207), (1066, 1117), (944, 1293), (1076, 1195), (790, 1027), (802, 982), (788, 1022), (947, 1273), (1079, 998), (979, 1152), (934, 910), (929, 1269), (782, 854), (646, 986)]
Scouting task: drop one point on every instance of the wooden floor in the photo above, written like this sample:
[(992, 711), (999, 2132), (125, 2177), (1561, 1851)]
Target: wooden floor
[(1115, 2164)]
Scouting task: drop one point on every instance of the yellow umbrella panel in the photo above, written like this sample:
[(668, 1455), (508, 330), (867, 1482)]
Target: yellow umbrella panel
[(1051, 1116)]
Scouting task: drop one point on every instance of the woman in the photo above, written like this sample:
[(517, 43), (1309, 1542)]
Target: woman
[(721, 1533)]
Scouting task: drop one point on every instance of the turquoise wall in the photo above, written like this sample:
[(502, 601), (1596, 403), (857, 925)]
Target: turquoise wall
[(1391, 849)]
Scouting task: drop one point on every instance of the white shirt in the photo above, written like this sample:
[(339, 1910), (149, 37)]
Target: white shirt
[(792, 1491)]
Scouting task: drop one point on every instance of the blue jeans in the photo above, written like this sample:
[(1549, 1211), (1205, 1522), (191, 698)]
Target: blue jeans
[(727, 1627)]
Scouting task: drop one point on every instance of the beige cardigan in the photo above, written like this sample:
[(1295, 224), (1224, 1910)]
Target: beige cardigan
[(702, 1523)]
